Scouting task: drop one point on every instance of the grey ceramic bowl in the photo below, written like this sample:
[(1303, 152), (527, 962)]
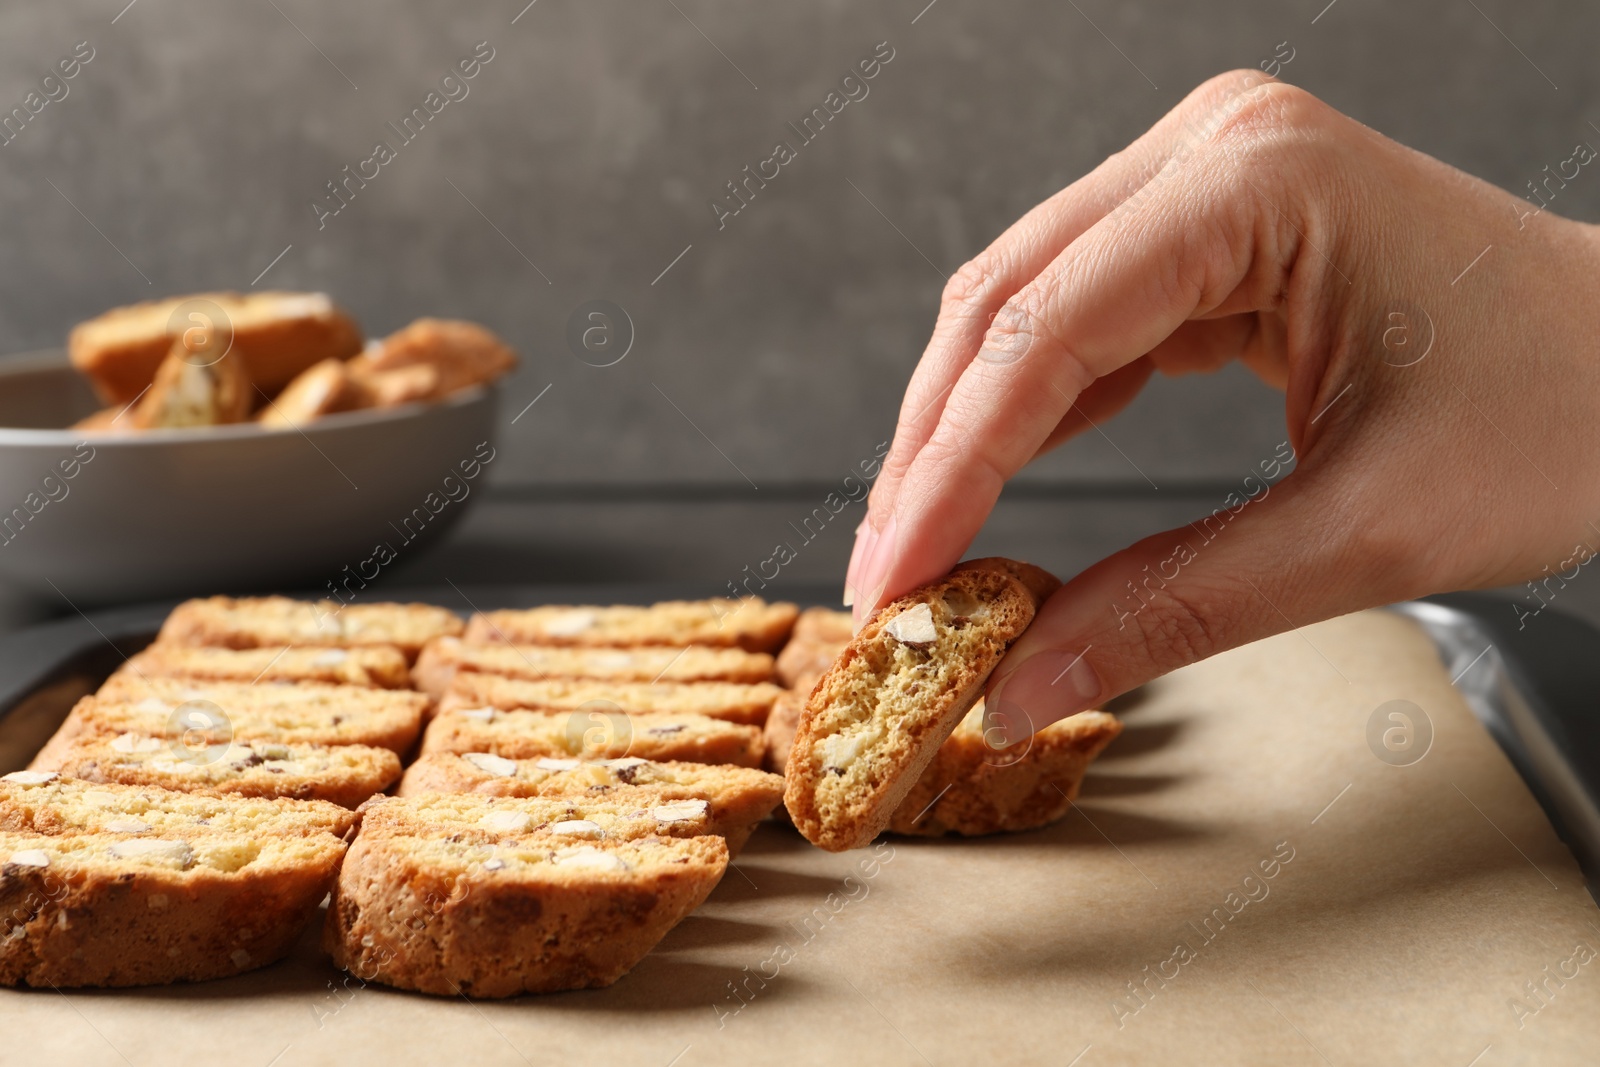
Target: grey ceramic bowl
[(101, 518)]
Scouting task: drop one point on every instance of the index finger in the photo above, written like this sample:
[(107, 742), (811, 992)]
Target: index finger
[(1200, 234), (981, 288)]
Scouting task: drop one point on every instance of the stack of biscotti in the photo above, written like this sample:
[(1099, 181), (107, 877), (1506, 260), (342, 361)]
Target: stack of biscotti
[(112, 885), (891, 735), (677, 680), (266, 697), (493, 896)]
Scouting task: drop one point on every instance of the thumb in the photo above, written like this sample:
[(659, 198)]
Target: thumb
[(1261, 564)]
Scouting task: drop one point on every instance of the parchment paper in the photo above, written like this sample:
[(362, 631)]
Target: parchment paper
[(1307, 901)]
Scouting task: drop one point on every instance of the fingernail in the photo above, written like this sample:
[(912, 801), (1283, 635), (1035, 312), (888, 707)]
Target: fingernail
[(874, 570), (865, 535), (1005, 723), (1049, 686)]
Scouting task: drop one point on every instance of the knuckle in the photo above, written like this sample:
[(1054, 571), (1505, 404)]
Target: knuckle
[(1260, 114), (1178, 627), (971, 287), (1010, 333)]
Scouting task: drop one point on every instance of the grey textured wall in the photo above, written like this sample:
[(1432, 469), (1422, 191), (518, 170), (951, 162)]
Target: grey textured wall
[(584, 157)]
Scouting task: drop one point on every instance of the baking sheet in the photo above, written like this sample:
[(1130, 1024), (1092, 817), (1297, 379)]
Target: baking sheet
[(1248, 878)]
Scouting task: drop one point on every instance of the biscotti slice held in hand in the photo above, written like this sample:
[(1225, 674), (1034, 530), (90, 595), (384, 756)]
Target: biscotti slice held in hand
[(729, 701), (380, 666), (256, 622), (447, 657), (971, 789), (591, 734), (524, 914), (341, 774), (751, 624), (738, 797), (874, 722), (122, 909)]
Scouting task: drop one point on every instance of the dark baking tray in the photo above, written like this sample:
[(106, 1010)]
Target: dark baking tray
[(1533, 688)]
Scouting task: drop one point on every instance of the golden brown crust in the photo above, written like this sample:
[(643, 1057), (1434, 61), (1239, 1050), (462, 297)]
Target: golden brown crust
[(971, 789), (253, 622), (738, 797), (444, 658), (728, 701), (523, 734), (88, 916), (375, 666), (751, 624), (526, 914), (876, 720), (275, 336), (1040, 582)]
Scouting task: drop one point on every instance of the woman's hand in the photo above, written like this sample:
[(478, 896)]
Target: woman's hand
[(1438, 341)]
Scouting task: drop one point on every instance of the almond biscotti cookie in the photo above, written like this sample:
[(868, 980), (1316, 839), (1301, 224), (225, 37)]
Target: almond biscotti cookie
[(457, 354), (378, 666), (781, 725), (216, 713), (45, 802), (828, 625), (751, 624), (820, 634), (121, 909), (971, 789), (728, 701), (325, 389), (446, 657), (194, 389), (801, 663), (523, 734), (524, 914), (274, 335), (345, 775), (255, 622), (738, 797), (627, 814), (875, 721)]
